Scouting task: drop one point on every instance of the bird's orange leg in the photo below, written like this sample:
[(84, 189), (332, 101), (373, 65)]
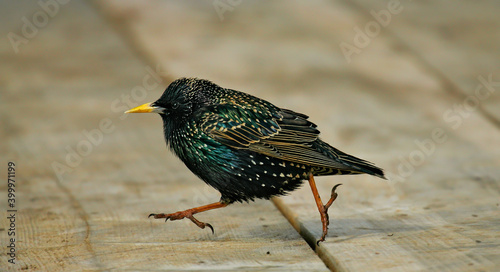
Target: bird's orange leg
[(323, 209), (189, 214)]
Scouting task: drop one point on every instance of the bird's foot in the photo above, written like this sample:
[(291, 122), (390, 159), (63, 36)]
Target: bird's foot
[(324, 214), (181, 215), (333, 197), (189, 214)]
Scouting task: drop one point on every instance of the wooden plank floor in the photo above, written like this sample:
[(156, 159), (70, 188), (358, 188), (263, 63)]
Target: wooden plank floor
[(94, 216), (405, 100)]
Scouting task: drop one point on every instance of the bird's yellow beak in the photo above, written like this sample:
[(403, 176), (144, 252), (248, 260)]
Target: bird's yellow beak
[(144, 108)]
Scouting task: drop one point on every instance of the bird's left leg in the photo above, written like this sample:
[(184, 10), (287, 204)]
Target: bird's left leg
[(189, 214), (323, 209)]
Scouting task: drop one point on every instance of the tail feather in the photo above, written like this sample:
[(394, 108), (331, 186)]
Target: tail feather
[(360, 164), (352, 164)]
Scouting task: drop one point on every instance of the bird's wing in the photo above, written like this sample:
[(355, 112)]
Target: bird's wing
[(237, 126), (274, 132)]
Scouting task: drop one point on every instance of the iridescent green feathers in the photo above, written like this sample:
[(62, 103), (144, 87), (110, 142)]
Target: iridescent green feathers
[(244, 146), (243, 121)]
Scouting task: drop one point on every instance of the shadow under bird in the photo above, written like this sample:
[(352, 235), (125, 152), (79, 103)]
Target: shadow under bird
[(246, 147)]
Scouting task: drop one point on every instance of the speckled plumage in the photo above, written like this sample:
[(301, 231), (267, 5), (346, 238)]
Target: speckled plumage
[(246, 147)]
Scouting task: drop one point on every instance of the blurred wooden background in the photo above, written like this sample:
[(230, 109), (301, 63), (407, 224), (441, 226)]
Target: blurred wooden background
[(410, 85)]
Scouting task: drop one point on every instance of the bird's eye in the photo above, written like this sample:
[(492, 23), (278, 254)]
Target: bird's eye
[(175, 105)]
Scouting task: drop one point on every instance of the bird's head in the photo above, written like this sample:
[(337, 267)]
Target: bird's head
[(179, 101)]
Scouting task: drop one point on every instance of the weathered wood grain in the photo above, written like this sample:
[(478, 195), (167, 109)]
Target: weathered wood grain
[(442, 215), (439, 211), (59, 88), (456, 41)]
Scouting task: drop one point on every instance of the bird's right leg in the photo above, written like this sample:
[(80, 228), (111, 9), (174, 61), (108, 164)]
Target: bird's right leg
[(189, 214), (323, 209)]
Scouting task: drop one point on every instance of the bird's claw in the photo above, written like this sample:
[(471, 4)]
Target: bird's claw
[(182, 215), (159, 215), (335, 188), (325, 218), (210, 226), (333, 197)]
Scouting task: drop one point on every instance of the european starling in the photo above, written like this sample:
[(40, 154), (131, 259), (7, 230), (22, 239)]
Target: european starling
[(246, 147)]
